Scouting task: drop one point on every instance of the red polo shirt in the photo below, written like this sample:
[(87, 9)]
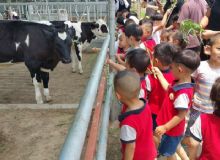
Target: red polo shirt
[(169, 110), (210, 127), (136, 126), (157, 93)]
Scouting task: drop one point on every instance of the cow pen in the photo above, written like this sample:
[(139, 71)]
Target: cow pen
[(92, 116), (76, 11)]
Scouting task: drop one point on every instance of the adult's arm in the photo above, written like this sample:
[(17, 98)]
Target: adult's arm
[(205, 20)]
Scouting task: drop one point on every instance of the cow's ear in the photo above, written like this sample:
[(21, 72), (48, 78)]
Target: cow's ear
[(94, 25)]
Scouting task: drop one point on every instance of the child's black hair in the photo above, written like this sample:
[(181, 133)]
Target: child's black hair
[(177, 35), (188, 58), (132, 13), (214, 39), (127, 83), (165, 52), (128, 22), (175, 18), (138, 59), (145, 20), (134, 30), (215, 96), (156, 17), (120, 20)]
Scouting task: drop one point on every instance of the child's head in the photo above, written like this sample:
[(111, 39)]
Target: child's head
[(157, 17), (133, 34), (163, 54), (127, 85), (123, 41), (147, 28), (120, 21), (137, 59), (164, 36), (215, 96), (178, 39), (213, 49), (124, 13), (185, 63), (128, 22), (132, 13), (175, 21)]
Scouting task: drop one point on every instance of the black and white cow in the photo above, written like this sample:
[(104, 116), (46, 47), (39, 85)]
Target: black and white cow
[(85, 33), (40, 46)]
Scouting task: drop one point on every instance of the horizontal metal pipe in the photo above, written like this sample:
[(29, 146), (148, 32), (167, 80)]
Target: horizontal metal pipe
[(94, 127), (74, 141), (103, 136)]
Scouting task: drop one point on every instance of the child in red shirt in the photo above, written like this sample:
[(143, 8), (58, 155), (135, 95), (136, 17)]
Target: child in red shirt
[(207, 129), (171, 119), (135, 123), (136, 60), (162, 58), (148, 42), (123, 44)]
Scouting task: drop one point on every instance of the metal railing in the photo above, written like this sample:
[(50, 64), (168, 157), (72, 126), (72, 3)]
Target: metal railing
[(75, 139), (74, 142), (85, 11)]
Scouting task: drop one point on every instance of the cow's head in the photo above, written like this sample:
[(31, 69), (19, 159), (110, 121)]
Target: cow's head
[(63, 42), (60, 35), (99, 28)]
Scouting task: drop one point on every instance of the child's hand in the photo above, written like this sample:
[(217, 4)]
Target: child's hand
[(156, 71), (108, 61), (117, 56), (160, 130)]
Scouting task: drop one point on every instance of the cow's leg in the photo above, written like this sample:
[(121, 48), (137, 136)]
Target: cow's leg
[(37, 83), (78, 48), (74, 58), (45, 78)]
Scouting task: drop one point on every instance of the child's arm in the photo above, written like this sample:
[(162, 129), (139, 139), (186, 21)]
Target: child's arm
[(161, 78), (163, 22), (181, 104), (129, 151), (207, 34), (116, 66), (119, 58), (160, 130)]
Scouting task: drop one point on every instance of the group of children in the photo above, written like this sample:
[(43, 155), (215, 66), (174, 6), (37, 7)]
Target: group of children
[(158, 84)]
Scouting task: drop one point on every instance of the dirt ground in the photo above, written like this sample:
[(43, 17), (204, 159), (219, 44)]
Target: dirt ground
[(33, 134), (114, 144), (27, 134), (65, 87)]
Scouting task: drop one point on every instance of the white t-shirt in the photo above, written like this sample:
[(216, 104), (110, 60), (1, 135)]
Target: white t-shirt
[(204, 77)]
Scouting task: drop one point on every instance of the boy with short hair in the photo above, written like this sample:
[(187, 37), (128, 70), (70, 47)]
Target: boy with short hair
[(135, 123), (133, 33), (162, 58), (136, 60), (171, 119)]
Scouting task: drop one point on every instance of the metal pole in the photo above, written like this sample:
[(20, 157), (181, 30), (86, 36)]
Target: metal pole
[(74, 141), (102, 146), (112, 28), (103, 137)]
